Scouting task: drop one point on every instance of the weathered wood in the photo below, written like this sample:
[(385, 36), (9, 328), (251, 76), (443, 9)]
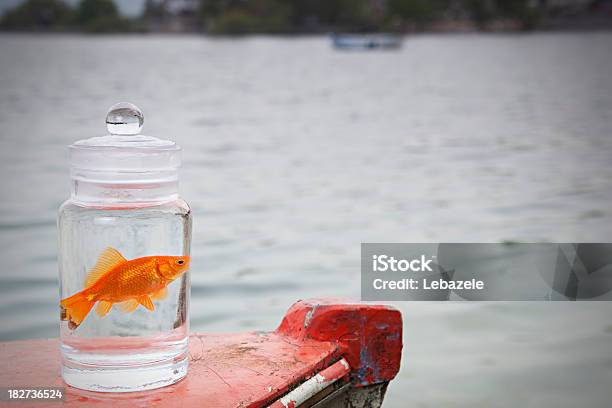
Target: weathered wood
[(370, 336), (226, 370), (249, 370), (371, 396)]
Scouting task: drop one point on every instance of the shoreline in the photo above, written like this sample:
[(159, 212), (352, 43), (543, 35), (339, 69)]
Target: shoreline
[(36, 33)]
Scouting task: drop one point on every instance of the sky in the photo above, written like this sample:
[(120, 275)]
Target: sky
[(126, 7)]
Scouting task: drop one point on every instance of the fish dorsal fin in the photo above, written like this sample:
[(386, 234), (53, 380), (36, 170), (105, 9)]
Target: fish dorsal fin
[(109, 258)]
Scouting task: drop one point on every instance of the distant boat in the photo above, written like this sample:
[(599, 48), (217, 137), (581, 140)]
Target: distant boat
[(366, 41)]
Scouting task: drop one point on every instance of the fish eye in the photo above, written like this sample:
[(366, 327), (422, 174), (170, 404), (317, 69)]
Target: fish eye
[(180, 262)]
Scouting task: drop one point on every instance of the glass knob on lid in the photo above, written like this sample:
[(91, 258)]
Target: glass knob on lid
[(124, 158), (124, 118)]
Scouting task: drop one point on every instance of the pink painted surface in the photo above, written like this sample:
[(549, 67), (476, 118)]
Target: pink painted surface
[(230, 370), (243, 370)]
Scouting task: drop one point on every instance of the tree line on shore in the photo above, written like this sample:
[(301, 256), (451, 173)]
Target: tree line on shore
[(273, 16)]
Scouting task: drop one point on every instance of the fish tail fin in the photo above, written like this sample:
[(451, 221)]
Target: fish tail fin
[(75, 308)]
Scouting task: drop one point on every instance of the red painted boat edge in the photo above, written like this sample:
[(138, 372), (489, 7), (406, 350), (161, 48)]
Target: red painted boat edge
[(369, 336), (314, 385), (246, 370)]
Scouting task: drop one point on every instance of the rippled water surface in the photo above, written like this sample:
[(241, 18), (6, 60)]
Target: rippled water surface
[(295, 153)]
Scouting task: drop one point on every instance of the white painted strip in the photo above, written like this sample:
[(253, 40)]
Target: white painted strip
[(316, 384)]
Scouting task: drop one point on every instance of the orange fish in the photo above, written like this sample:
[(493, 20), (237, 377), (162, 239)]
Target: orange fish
[(114, 279)]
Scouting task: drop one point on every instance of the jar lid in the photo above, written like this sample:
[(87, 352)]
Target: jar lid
[(124, 155)]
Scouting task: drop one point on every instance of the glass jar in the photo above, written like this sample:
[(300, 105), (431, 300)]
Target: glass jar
[(124, 240)]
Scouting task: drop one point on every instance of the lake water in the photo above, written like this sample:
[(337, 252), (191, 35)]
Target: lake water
[(296, 153)]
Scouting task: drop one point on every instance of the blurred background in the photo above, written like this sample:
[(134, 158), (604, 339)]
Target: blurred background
[(491, 122), (303, 16)]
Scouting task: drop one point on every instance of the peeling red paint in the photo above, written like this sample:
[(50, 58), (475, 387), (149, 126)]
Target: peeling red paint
[(370, 336), (314, 385), (335, 372), (225, 370), (243, 370)]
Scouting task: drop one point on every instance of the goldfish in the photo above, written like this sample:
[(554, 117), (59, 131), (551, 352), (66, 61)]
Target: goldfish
[(116, 281)]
